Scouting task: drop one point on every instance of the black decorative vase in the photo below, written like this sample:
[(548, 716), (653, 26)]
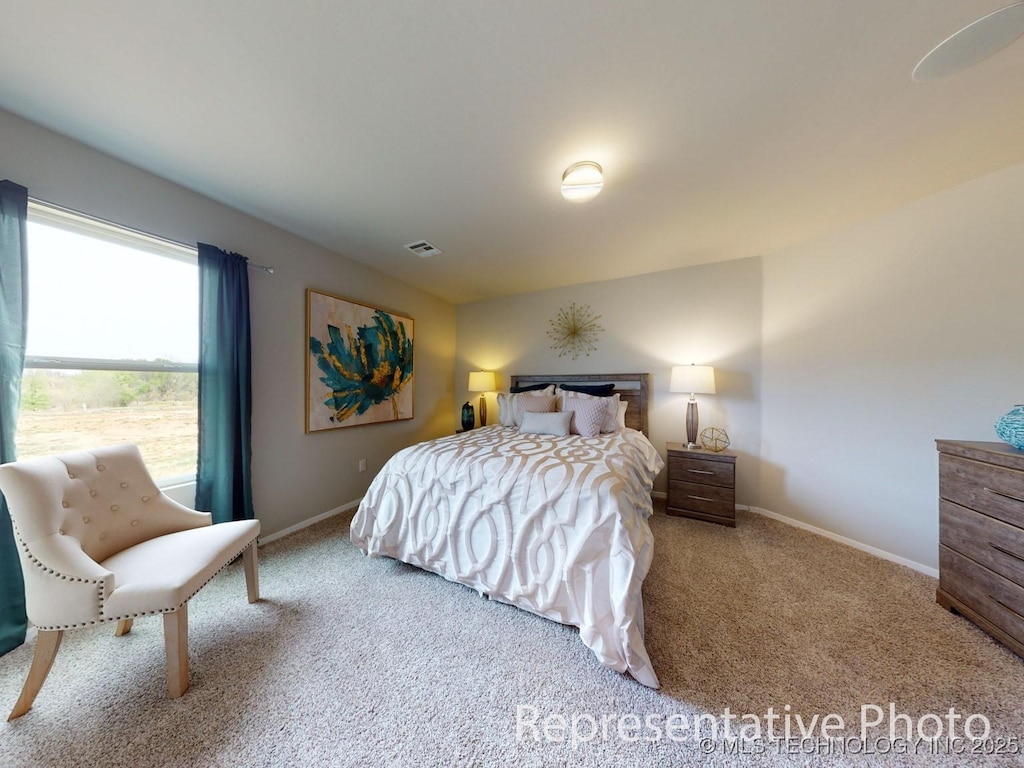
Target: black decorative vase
[(468, 416)]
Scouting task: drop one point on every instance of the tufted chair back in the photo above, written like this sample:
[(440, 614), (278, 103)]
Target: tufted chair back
[(105, 499)]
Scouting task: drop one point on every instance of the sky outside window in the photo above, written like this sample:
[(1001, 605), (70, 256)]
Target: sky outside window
[(93, 299)]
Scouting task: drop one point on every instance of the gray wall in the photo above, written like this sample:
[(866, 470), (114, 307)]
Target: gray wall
[(295, 476), (879, 340), (709, 314)]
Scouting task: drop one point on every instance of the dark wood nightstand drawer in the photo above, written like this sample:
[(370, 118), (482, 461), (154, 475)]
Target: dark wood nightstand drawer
[(994, 490), (990, 542), (689, 470), (997, 600), (706, 499)]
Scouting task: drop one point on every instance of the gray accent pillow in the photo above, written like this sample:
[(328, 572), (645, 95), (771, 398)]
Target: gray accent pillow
[(555, 423)]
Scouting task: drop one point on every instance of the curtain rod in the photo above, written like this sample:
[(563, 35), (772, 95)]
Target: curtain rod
[(54, 206)]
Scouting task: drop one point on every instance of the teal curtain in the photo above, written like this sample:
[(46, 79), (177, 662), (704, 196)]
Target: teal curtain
[(224, 476), (13, 314)]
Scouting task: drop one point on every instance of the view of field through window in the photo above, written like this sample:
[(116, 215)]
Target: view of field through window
[(78, 410), (116, 304)]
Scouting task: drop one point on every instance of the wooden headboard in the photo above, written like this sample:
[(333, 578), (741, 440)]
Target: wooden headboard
[(633, 388)]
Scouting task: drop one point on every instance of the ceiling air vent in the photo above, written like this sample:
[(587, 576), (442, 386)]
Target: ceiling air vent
[(423, 249)]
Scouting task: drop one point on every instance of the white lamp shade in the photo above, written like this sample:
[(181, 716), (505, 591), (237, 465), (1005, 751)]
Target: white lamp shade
[(482, 381), (693, 379)]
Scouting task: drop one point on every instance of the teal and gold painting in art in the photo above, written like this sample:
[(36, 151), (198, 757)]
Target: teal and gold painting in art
[(359, 364)]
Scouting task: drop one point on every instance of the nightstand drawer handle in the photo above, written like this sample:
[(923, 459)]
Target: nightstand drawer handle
[(698, 498), (700, 472), (1005, 495), (998, 548), (1005, 607)]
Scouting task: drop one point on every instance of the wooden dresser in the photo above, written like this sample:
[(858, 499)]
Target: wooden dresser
[(701, 484), (981, 536)]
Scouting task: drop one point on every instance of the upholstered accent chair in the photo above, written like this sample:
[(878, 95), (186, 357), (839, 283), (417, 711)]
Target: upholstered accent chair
[(99, 542)]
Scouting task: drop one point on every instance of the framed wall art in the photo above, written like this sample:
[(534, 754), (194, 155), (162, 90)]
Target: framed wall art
[(359, 363)]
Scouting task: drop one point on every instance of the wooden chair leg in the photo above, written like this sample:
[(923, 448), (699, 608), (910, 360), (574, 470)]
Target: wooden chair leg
[(47, 645), (176, 648), (124, 626), (250, 559)]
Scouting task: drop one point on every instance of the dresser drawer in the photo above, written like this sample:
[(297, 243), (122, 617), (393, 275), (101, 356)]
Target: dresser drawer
[(993, 490), (996, 545), (706, 499), (997, 600), (701, 471)]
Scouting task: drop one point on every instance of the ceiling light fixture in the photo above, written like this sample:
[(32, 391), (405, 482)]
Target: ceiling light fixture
[(972, 44), (582, 181)]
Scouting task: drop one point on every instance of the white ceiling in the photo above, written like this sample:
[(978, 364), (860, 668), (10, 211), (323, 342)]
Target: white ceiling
[(726, 129)]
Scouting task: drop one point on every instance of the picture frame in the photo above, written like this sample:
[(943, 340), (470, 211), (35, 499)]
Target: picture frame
[(359, 363)]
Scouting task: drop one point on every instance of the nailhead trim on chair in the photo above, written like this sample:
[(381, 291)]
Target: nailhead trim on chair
[(149, 613), (100, 585), (47, 569)]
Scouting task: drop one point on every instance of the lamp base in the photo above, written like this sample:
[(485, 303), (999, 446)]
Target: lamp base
[(691, 423), (483, 410)]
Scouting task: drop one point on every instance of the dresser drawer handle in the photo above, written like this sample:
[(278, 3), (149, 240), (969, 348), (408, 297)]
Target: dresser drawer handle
[(1005, 607), (1005, 495), (1005, 551), (698, 498), (700, 472)]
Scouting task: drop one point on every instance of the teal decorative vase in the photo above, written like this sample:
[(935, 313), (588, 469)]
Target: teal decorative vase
[(468, 417), (1010, 427)]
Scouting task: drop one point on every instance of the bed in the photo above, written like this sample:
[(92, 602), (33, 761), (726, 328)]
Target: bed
[(557, 526)]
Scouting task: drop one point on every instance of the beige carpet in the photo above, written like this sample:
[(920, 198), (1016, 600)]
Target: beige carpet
[(352, 661)]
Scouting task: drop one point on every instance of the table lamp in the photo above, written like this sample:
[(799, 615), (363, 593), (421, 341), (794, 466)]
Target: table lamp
[(482, 382), (697, 380)]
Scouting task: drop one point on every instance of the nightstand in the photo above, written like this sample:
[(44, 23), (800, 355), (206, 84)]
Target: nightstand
[(701, 484)]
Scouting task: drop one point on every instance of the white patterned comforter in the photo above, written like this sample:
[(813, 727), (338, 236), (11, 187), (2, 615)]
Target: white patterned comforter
[(555, 525)]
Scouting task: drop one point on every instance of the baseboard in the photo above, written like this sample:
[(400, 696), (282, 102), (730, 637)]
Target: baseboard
[(913, 564), (306, 523), (920, 567)]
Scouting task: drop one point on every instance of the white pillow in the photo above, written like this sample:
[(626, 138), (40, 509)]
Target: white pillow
[(622, 413), (505, 409), (548, 390), (611, 420), (553, 423), (506, 413)]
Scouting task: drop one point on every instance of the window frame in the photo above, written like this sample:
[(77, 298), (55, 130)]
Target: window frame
[(106, 364)]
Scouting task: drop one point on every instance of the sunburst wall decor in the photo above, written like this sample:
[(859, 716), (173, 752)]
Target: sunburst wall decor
[(575, 330)]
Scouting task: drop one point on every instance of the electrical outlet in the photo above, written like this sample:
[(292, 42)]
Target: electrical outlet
[(362, 465)]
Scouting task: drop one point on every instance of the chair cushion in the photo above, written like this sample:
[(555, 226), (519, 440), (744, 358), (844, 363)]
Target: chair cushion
[(160, 574)]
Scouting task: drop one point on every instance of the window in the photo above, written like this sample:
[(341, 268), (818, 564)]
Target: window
[(113, 343)]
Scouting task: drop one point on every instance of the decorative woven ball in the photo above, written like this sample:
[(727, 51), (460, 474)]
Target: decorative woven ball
[(1010, 427), (714, 439)]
